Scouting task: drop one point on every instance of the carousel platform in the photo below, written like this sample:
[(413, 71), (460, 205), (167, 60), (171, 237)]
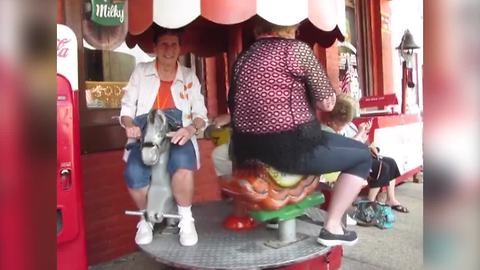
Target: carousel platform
[(219, 248)]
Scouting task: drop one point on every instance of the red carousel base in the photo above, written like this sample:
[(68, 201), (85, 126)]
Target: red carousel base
[(236, 223), (330, 261)]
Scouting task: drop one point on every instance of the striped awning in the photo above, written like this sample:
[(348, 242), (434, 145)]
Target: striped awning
[(327, 16)]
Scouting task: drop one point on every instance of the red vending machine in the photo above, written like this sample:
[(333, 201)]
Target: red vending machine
[(71, 243)]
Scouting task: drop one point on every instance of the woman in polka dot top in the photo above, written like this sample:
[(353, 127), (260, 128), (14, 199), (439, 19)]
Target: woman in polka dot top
[(277, 85)]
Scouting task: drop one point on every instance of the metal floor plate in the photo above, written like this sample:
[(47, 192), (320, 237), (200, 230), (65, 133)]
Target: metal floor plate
[(219, 248)]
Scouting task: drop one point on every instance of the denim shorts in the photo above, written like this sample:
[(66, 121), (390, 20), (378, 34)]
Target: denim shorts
[(137, 175)]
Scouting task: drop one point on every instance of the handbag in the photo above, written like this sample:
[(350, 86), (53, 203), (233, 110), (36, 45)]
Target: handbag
[(368, 213)]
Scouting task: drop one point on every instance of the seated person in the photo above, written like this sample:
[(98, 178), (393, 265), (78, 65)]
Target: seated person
[(384, 169), (220, 133), (167, 85), (276, 85)]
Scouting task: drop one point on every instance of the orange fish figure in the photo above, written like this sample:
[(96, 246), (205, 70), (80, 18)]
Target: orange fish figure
[(257, 188)]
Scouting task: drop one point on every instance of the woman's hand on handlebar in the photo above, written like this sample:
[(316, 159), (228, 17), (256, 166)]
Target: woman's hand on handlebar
[(133, 132), (182, 135), (221, 120)]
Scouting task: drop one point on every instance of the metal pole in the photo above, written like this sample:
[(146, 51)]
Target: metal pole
[(134, 213), (287, 230), (156, 216), (404, 87)]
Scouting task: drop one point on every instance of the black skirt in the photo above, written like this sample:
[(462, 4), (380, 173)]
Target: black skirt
[(283, 151), (389, 171)]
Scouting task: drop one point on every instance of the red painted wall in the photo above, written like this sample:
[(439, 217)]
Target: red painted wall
[(329, 59), (109, 232), (387, 50)]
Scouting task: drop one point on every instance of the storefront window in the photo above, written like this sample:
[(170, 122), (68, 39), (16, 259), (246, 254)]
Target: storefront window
[(348, 63), (107, 73), (355, 53)]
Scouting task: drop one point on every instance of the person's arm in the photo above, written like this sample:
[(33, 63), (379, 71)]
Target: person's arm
[(131, 129), (361, 135), (374, 150), (363, 130), (199, 115), (199, 111), (305, 66), (129, 106), (222, 120)]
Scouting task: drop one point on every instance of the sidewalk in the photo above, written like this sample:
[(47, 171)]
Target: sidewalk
[(398, 248)]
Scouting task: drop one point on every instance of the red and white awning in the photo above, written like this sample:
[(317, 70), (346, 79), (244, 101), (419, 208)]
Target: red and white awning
[(324, 14), (208, 21)]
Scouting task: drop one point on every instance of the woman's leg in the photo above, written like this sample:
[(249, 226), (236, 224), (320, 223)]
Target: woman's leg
[(393, 174), (345, 192), (372, 193), (221, 161), (391, 200), (181, 165), (379, 177), (350, 157), (337, 154)]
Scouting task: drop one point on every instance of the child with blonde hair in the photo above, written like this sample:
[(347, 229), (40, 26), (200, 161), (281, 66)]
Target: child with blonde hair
[(384, 170)]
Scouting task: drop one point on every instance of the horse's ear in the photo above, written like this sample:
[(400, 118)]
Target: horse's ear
[(163, 118), (151, 116)]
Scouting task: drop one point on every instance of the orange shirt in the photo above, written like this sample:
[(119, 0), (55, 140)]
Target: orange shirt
[(164, 98)]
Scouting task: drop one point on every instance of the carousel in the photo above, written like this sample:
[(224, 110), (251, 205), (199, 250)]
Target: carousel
[(290, 202)]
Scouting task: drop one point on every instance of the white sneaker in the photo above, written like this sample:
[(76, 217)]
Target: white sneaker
[(144, 234), (351, 221), (188, 234)]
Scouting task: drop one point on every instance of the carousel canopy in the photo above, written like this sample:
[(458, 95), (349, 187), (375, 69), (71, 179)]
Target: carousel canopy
[(206, 22)]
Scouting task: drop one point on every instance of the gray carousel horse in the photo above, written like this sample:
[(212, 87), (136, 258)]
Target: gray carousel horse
[(155, 151)]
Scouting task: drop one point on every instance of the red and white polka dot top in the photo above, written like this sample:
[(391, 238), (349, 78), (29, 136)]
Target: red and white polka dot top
[(275, 84)]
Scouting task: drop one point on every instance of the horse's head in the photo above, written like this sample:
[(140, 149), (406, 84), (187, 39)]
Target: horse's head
[(155, 140)]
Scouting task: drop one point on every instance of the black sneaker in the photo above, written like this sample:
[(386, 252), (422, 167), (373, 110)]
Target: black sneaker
[(326, 238)]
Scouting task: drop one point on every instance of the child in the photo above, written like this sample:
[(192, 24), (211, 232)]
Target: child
[(384, 169)]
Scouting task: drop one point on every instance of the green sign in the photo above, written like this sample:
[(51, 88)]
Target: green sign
[(108, 12)]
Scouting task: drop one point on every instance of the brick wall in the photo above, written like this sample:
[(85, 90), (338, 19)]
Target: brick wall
[(110, 233)]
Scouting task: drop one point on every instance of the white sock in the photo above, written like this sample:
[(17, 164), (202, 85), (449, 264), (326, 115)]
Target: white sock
[(185, 211)]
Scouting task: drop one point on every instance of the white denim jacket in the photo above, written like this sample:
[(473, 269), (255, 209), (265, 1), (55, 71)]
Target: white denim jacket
[(142, 88)]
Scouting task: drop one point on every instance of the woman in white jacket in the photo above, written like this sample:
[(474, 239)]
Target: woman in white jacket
[(167, 85)]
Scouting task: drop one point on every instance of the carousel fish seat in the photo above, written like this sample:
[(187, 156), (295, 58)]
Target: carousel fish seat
[(290, 211), (270, 195), (261, 187)]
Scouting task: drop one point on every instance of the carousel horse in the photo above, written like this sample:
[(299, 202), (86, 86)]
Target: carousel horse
[(155, 151)]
